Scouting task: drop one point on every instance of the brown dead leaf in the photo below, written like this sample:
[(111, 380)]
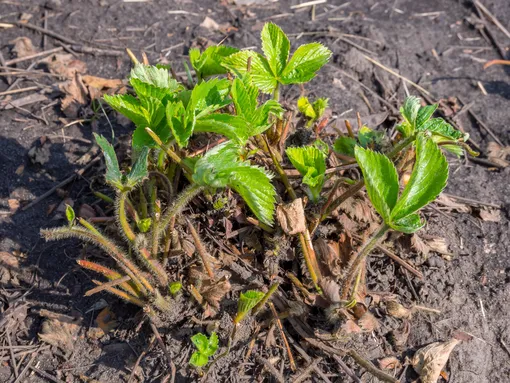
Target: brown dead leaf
[(498, 154), (59, 330), (389, 363), (368, 322), (210, 24), (350, 327), (424, 245), (75, 96), (331, 290), (452, 204), (13, 204), (491, 215), (86, 211), (395, 309), (430, 360), (9, 268), (398, 338), (23, 47), (97, 86), (213, 292), (65, 64), (291, 217)]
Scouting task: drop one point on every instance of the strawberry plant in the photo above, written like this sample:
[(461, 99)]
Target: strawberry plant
[(165, 175)]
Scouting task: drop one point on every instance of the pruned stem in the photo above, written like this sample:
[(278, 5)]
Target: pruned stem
[(360, 257)]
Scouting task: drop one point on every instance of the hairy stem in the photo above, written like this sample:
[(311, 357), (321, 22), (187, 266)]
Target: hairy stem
[(204, 255), (179, 204), (360, 257), (169, 151), (121, 216)]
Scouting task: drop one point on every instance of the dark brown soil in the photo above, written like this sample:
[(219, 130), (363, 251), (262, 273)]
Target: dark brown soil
[(427, 42)]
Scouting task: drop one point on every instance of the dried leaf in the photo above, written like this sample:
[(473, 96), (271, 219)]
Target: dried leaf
[(491, 215), (13, 204), (9, 268), (65, 64), (210, 24), (438, 245), (86, 211), (213, 292), (395, 309), (75, 96), (368, 322), (328, 255), (389, 363), (350, 327), (331, 290), (106, 320), (452, 205), (23, 47), (291, 217), (498, 154), (418, 244), (59, 330), (430, 360)]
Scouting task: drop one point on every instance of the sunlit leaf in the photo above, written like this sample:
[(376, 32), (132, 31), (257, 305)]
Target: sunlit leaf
[(113, 175), (304, 63), (276, 47)]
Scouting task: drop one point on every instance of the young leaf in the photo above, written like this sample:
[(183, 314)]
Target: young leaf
[(319, 106), (70, 214), (113, 174), (174, 287), (306, 108), (244, 97), (442, 128), (410, 110), (276, 47), (305, 63), (381, 180), (201, 342), (233, 127), (247, 301), (311, 164), (176, 118), (260, 70), (424, 114), (427, 181), (206, 347), (139, 170), (153, 75), (345, 145), (408, 224), (198, 359), (129, 106), (208, 63)]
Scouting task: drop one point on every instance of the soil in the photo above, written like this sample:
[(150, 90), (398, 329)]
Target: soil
[(431, 43)]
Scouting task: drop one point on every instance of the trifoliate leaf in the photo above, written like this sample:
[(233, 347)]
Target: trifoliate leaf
[(305, 63), (70, 214), (276, 47), (428, 179), (345, 145), (200, 341), (113, 175), (208, 63), (311, 164), (381, 180), (139, 170), (260, 70), (233, 127), (129, 106)]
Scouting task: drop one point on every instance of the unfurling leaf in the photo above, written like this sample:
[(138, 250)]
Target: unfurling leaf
[(381, 180), (155, 76), (70, 215), (113, 174), (311, 164), (144, 224), (247, 301), (427, 181)]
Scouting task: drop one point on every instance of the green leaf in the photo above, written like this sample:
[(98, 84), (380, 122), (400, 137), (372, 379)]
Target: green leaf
[(441, 127), (139, 170), (408, 224), (198, 359), (345, 145), (174, 287), (428, 179), (207, 97), (381, 180), (260, 71), (249, 300), (200, 341), (306, 108), (208, 63), (319, 106), (311, 164), (276, 47), (410, 110), (260, 121), (143, 90), (233, 127), (129, 106), (144, 224), (221, 167), (158, 77), (369, 138), (181, 128), (212, 345), (113, 174), (244, 97), (70, 214), (305, 63), (424, 114)]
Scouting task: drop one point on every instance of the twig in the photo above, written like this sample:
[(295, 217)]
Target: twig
[(367, 365), (307, 371), (483, 125), (63, 183), (164, 349), (13, 359), (282, 333), (14, 91), (46, 32), (270, 368), (375, 62), (29, 364), (204, 254), (487, 33), (346, 369), (140, 357), (35, 55), (492, 18), (308, 4), (107, 285), (46, 375), (472, 202)]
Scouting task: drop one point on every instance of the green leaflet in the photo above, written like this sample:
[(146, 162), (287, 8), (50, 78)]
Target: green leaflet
[(222, 167), (153, 75), (381, 180), (248, 300), (139, 170), (233, 127), (441, 127), (311, 164), (345, 145), (129, 106), (312, 111), (410, 110), (70, 215), (177, 120), (427, 181), (260, 70), (305, 63), (113, 175), (424, 114), (276, 47), (208, 63)]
